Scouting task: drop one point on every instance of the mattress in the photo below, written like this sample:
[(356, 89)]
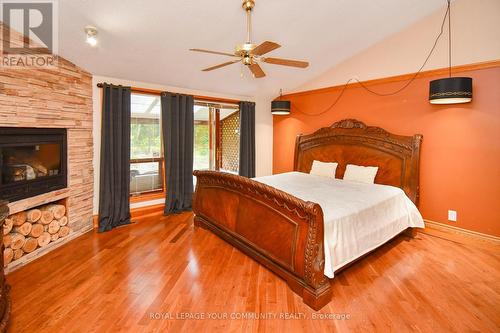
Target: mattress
[(357, 217)]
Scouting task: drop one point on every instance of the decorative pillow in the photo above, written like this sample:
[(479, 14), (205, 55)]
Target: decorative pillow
[(360, 174), (323, 169)]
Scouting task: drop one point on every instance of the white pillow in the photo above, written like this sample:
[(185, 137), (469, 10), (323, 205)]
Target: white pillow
[(360, 174), (323, 169)]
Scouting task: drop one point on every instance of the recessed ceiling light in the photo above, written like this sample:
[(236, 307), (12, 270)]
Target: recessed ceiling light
[(91, 33)]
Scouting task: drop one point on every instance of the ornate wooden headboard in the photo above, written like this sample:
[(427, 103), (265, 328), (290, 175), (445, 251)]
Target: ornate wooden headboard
[(350, 141)]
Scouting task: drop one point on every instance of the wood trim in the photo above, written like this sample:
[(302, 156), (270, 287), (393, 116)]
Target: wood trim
[(153, 210), (42, 199), (211, 139), (146, 160), (218, 150), (402, 77), (145, 91), (200, 97), (5, 301), (216, 99), (154, 194), (148, 196), (450, 232)]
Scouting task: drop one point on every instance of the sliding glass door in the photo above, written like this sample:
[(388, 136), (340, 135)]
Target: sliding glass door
[(229, 147), (216, 137), (216, 142), (202, 138)]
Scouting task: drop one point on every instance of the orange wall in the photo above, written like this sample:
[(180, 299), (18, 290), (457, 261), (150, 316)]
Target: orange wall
[(460, 161)]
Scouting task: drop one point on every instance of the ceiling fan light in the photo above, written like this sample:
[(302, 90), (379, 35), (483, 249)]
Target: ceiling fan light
[(280, 108), (451, 90), (91, 40), (91, 33)]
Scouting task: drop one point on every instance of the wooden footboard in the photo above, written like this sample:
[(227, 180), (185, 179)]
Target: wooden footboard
[(275, 228)]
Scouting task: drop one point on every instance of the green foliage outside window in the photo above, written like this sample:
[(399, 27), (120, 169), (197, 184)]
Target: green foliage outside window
[(201, 147), (145, 140)]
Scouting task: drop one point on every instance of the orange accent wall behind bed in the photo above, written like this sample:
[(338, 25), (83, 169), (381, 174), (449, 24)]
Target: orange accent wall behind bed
[(460, 156)]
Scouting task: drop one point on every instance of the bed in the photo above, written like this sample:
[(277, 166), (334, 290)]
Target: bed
[(305, 228)]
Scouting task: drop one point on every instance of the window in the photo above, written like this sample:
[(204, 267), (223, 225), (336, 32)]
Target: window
[(216, 137), (203, 139), (146, 157)]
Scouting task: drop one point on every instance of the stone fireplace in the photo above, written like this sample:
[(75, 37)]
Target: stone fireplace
[(51, 101)]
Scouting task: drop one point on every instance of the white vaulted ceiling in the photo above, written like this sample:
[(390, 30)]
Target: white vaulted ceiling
[(148, 40)]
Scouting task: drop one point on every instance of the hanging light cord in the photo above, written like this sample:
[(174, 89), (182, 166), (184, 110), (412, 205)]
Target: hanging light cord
[(449, 38), (407, 82)]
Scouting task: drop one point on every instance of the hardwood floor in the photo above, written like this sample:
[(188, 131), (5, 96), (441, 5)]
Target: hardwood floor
[(135, 278)]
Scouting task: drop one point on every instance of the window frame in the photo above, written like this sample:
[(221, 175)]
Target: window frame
[(157, 193), (215, 148), (155, 92)]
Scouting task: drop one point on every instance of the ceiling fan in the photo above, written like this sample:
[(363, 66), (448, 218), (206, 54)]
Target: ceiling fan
[(251, 54)]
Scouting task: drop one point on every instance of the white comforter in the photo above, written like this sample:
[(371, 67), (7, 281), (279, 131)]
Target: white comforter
[(357, 217)]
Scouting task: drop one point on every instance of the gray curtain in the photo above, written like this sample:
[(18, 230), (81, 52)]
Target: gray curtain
[(114, 189), (247, 139), (178, 131)]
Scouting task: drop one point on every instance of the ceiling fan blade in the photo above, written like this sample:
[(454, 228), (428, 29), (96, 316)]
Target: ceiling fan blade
[(264, 48), (286, 62), (213, 52), (256, 70), (221, 65)]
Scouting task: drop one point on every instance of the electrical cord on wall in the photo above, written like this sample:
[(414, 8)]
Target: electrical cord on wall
[(399, 89)]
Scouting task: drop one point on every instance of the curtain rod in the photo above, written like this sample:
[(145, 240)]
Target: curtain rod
[(101, 84), (158, 92)]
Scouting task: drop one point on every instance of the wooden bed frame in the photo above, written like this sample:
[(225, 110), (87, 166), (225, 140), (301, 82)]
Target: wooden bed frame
[(285, 233)]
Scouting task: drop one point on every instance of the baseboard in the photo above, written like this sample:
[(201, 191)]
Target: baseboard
[(448, 231), (153, 210)]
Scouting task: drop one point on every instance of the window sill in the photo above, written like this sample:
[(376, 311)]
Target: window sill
[(147, 197)]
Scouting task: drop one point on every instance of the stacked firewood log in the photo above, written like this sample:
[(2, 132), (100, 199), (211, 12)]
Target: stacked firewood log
[(26, 231)]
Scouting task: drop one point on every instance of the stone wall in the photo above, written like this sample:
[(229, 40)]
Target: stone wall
[(56, 98)]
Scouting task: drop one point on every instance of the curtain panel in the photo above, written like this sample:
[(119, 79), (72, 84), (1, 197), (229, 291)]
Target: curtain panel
[(177, 112), (114, 188), (247, 139)]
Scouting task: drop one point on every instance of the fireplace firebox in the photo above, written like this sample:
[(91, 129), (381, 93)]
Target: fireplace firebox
[(32, 161)]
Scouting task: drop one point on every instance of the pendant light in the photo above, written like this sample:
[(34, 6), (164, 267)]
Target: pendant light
[(280, 107), (450, 90)]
